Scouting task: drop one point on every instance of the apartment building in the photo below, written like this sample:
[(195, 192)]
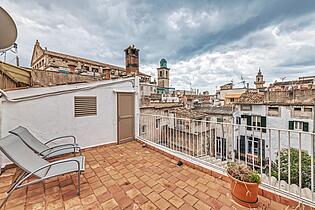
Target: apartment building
[(255, 114)]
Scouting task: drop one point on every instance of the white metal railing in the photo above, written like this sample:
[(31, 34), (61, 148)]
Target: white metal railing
[(284, 158)]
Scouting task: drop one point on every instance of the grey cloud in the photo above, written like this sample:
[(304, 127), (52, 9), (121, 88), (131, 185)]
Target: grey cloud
[(206, 42)]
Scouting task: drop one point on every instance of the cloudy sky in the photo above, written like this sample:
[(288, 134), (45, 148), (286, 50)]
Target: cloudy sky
[(207, 43)]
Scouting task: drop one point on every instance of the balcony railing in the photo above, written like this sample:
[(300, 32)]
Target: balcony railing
[(284, 158)]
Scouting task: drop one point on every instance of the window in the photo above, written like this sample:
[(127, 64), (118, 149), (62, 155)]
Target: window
[(298, 125), (157, 123), (197, 123), (297, 109), (246, 108), (84, 106), (256, 121), (221, 148), (144, 128), (273, 108), (141, 88), (247, 154), (273, 111), (308, 109), (220, 119), (161, 73)]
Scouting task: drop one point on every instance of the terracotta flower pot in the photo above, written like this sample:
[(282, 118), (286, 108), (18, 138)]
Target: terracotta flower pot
[(244, 193)]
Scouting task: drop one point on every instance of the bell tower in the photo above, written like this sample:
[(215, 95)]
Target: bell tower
[(259, 80), (163, 74)]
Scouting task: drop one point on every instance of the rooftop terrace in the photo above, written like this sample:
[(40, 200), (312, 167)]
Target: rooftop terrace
[(128, 176)]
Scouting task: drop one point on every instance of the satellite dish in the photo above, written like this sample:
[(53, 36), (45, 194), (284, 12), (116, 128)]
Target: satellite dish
[(8, 31)]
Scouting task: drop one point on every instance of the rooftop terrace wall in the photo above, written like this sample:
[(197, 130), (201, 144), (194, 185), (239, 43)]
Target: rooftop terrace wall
[(49, 112)]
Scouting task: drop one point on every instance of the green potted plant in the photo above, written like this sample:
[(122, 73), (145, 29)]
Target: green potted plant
[(244, 184)]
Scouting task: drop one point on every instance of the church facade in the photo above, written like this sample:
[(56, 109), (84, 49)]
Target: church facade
[(44, 59)]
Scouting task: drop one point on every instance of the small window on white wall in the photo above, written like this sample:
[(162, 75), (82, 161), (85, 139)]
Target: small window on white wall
[(85, 106), (246, 107), (308, 109)]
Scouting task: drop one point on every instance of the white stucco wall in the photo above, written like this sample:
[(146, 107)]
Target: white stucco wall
[(147, 89), (52, 116)]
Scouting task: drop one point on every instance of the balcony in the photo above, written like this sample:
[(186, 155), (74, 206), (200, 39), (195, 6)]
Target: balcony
[(282, 157), (144, 174), (128, 176)]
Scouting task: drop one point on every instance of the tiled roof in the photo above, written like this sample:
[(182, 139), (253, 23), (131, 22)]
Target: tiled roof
[(216, 110), (161, 105), (183, 112), (251, 98)]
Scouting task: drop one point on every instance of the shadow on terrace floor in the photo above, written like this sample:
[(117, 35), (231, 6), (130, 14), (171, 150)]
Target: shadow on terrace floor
[(127, 176)]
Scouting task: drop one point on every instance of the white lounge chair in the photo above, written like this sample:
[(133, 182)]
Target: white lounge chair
[(50, 148), (34, 165)]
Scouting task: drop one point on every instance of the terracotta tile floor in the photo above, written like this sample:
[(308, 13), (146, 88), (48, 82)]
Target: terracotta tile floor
[(127, 176)]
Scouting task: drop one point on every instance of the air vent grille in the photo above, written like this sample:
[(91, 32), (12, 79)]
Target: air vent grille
[(84, 106)]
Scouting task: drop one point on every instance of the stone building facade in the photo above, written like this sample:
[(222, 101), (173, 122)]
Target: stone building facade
[(44, 59)]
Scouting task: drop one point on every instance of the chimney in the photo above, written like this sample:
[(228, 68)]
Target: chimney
[(107, 73), (132, 60)]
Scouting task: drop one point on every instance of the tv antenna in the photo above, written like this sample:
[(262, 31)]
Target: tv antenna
[(243, 81), (8, 35)]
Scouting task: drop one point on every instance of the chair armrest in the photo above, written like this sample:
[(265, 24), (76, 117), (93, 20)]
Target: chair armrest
[(64, 148), (43, 167), (62, 137), (56, 146)]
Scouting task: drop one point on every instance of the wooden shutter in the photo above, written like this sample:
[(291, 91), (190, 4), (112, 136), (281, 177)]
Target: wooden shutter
[(249, 122), (238, 120), (84, 106), (291, 125), (305, 126), (263, 123)]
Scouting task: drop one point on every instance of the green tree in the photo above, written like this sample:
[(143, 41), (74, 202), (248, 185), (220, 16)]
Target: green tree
[(294, 159)]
